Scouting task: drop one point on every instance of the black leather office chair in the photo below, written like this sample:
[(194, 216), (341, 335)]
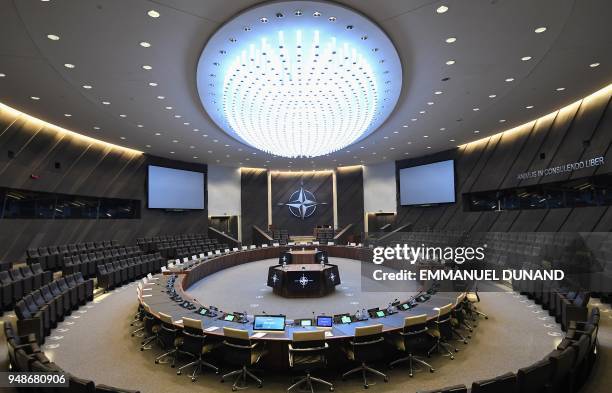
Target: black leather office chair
[(167, 338), (413, 338), (194, 343), (562, 364), (365, 348), (473, 299), (458, 318), (441, 330), (307, 352), (535, 378), (240, 351), (151, 327), (78, 385), (505, 383)]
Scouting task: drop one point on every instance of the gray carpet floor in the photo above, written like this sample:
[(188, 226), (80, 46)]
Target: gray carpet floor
[(255, 297)]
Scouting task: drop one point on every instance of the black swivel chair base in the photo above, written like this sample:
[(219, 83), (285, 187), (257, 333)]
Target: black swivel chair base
[(163, 359), (241, 378), (412, 359), (197, 368), (364, 368), (308, 380), (443, 347)]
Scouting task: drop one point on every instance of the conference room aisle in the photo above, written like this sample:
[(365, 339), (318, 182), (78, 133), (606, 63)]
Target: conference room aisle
[(96, 344)]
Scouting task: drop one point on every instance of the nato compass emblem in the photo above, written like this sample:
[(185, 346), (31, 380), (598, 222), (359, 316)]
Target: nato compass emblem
[(303, 281), (302, 203), (274, 279)]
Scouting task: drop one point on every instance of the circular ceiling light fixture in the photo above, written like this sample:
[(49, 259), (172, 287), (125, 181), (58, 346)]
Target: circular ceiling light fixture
[(301, 85)]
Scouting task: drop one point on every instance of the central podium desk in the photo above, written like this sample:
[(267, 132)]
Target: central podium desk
[(303, 280)]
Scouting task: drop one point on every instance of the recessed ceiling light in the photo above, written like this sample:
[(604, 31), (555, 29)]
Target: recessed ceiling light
[(226, 145), (153, 14), (476, 132), (593, 65), (526, 58), (509, 79), (451, 140), (450, 40), (145, 44), (502, 120), (147, 67), (123, 116), (425, 136), (195, 156), (437, 92), (171, 152), (122, 137), (405, 126), (157, 134), (450, 62), (413, 119), (174, 141), (68, 65), (192, 147), (385, 137), (430, 103), (186, 123), (2, 75), (161, 97), (35, 98), (529, 107), (177, 116), (429, 147), (139, 125), (492, 95), (168, 107), (540, 30), (67, 115), (105, 103), (53, 37), (442, 128), (441, 9), (87, 87), (205, 135), (196, 130), (152, 84), (96, 128), (560, 88), (475, 109), (210, 152), (396, 132), (149, 146), (421, 112)]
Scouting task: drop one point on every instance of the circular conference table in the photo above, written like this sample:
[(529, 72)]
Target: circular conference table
[(154, 294)]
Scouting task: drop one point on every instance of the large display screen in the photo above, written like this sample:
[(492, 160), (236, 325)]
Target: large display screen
[(428, 184), (175, 189)]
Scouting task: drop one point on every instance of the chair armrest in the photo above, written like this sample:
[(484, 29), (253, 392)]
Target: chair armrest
[(380, 339), (308, 349)]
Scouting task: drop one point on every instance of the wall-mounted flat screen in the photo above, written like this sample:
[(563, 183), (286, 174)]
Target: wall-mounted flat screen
[(428, 184), (175, 189)]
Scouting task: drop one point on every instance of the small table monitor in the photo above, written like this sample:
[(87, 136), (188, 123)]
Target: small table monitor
[(306, 322), (324, 321), (345, 319), (203, 311), (380, 313), (229, 317), (274, 323)]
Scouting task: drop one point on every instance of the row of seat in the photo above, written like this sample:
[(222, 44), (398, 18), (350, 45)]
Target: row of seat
[(565, 303), (324, 235), (87, 263), (20, 281), (151, 244), (4, 266), (51, 257), (40, 311), (115, 274), (25, 355), (169, 249), (564, 370), (181, 253)]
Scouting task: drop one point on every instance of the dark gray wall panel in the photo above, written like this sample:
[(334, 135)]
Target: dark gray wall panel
[(349, 197), (86, 168), (254, 201)]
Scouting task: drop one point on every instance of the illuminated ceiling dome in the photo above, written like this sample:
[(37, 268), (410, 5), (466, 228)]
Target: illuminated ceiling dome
[(299, 78)]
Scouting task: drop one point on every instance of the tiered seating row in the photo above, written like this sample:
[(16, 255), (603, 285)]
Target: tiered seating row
[(19, 282), (40, 311), (115, 274), (25, 355), (52, 257), (87, 263), (150, 244)]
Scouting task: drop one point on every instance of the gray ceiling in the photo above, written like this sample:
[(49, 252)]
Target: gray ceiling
[(101, 38)]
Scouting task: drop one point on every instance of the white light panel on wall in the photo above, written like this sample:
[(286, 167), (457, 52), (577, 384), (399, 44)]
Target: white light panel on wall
[(299, 78)]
